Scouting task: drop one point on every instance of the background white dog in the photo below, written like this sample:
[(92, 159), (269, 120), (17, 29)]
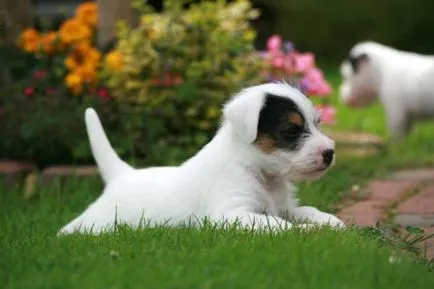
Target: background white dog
[(402, 81), (269, 137)]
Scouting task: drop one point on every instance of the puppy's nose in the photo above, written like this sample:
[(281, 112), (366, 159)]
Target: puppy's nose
[(327, 156)]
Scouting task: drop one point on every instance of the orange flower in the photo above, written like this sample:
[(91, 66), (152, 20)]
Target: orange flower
[(87, 13), (114, 60), (30, 40), (73, 30), (48, 42), (74, 83), (82, 53), (87, 73)]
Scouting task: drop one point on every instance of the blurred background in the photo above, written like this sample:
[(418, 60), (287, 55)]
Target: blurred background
[(157, 73), (327, 28)]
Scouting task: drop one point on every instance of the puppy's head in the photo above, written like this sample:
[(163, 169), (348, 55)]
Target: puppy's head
[(359, 85), (282, 126)]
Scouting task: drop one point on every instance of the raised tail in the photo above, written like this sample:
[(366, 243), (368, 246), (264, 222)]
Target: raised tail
[(107, 160)]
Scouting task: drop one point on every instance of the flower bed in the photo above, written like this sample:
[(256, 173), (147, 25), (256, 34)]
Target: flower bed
[(159, 91)]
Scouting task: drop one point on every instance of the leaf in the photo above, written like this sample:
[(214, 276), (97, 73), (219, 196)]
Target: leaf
[(187, 91), (414, 230)]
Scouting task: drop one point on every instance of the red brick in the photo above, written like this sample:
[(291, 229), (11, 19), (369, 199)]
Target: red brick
[(422, 203), (418, 175), (365, 213), (55, 172), (13, 172), (10, 167), (71, 170), (388, 192)]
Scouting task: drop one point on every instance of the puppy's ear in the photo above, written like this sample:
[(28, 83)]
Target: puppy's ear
[(243, 113), (358, 61)]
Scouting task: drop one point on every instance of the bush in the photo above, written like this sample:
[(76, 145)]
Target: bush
[(159, 92), (47, 128), (175, 69), (41, 115)]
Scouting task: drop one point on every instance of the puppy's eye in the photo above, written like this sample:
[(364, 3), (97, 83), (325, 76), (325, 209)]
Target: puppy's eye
[(296, 119), (292, 130)]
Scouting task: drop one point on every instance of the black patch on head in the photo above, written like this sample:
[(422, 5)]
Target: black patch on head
[(274, 122), (356, 60)]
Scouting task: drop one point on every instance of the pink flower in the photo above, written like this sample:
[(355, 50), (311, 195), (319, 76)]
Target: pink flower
[(314, 83), (289, 64), (274, 43), (103, 93), (277, 62), (323, 89), (50, 91), (327, 114), (314, 74), (304, 62), (178, 80), (39, 74), (29, 91)]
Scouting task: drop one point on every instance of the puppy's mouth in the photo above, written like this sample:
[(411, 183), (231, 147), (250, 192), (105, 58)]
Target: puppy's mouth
[(315, 172), (321, 169)]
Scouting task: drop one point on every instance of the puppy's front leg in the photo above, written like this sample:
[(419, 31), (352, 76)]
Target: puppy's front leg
[(257, 222), (314, 215)]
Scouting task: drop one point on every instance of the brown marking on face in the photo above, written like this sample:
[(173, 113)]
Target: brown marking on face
[(266, 144), (296, 118)]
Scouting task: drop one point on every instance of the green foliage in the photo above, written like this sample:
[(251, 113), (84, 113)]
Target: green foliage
[(179, 66), (408, 241), (47, 128), (163, 104)]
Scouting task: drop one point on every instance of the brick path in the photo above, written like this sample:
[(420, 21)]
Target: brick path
[(405, 198)]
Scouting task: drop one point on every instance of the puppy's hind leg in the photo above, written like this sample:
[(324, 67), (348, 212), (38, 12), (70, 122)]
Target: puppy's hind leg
[(96, 219)]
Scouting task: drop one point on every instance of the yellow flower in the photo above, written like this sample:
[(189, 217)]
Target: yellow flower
[(30, 40), (74, 83), (147, 19), (87, 13), (73, 30), (152, 33), (114, 60), (249, 35), (48, 42), (204, 124), (212, 112)]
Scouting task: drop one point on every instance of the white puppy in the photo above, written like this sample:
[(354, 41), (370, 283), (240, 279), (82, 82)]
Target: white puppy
[(269, 137), (402, 81)]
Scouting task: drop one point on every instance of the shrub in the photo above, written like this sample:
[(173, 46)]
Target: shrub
[(41, 116), (175, 69), (159, 92), (48, 128)]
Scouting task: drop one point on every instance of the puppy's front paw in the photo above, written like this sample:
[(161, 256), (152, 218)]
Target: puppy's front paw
[(335, 222), (330, 220)]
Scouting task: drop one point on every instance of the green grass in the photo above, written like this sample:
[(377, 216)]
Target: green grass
[(32, 257)]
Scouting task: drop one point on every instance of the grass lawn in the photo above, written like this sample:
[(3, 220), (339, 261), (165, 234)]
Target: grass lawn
[(32, 257)]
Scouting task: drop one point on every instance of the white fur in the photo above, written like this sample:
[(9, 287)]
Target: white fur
[(229, 180), (403, 82)]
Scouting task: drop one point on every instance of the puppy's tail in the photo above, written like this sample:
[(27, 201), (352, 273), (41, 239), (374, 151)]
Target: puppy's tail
[(107, 160)]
